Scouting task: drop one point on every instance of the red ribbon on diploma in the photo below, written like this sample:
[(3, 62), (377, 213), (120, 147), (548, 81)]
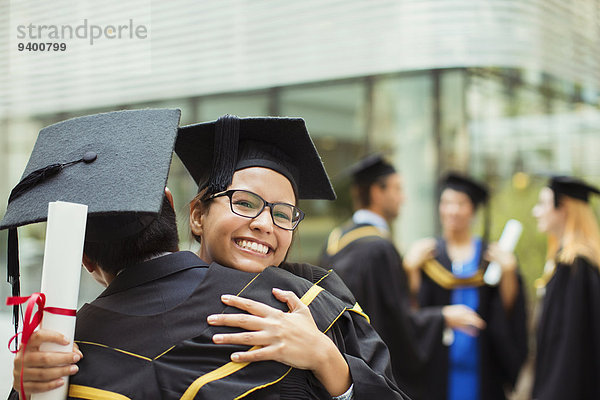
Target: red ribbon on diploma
[(32, 321)]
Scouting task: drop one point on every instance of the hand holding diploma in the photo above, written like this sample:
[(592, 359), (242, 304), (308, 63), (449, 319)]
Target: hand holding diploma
[(501, 253), (43, 370)]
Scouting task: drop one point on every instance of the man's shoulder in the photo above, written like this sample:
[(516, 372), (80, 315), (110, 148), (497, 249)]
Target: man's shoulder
[(350, 235), (368, 246), (153, 286)]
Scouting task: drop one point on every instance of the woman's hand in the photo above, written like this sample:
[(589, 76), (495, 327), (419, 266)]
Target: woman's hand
[(421, 251), (291, 338), (43, 370), (463, 318), (506, 259)]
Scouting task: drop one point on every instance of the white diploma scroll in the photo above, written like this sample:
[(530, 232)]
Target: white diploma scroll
[(508, 241), (65, 233)]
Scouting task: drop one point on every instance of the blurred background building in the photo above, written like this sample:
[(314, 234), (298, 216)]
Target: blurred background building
[(501, 89)]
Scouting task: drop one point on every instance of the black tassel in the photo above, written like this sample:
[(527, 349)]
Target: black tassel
[(13, 275), (40, 175), (33, 179), (227, 132)]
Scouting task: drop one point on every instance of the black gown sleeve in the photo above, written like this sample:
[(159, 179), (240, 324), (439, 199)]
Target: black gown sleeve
[(367, 357)]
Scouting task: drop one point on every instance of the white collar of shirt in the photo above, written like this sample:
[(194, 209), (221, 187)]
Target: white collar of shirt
[(369, 217)]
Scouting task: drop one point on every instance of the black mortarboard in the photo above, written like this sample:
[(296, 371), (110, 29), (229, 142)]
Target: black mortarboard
[(116, 163), (571, 187), (370, 168), (476, 191), (213, 151)]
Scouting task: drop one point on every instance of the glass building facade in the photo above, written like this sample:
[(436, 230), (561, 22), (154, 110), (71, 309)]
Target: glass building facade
[(499, 125)]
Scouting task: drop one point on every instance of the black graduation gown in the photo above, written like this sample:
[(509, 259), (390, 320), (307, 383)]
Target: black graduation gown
[(369, 264), (568, 337), (503, 343), (146, 337)]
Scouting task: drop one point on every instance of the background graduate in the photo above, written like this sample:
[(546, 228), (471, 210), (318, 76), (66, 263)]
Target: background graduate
[(361, 251), (449, 270), (568, 334)]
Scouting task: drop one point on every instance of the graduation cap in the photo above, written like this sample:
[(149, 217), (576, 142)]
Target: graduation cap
[(213, 151), (370, 168), (477, 192), (116, 163), (571, 187)]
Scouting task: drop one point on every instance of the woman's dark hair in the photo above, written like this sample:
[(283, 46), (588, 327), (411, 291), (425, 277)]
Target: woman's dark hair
[(157, 238)]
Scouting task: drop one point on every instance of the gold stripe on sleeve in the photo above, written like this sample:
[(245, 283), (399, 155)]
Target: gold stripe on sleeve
[(310, 294), (90, 393), (214, 375), (164, 352), (358, 309), (114, 349), (324, 276), (248, 284), (262, 386)]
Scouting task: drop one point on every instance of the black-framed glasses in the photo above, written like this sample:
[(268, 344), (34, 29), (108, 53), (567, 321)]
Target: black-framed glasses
[(247, 204)]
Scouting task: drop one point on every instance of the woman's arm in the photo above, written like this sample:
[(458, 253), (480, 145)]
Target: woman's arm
[(509, 284)]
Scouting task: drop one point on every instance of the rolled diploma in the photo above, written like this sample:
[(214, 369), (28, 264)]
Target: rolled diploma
[(508, 241), (65, 233)]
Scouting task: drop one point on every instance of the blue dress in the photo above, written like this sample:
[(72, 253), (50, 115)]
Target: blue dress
[(463, 374)]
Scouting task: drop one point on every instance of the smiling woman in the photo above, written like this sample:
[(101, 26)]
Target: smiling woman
[(231, 239), (250, 173)]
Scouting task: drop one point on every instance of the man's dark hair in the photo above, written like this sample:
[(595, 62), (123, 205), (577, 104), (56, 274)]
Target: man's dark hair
[(157, 238), (363, 191)]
